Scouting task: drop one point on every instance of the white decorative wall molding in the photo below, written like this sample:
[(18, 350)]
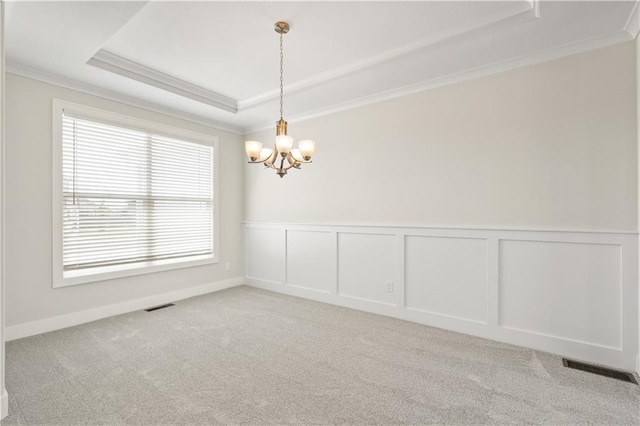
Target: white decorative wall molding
[(130, 69), (479, 26), (570, 293), (50, 324), (454, 45), (556, 52), (90, 89), (441, 286)]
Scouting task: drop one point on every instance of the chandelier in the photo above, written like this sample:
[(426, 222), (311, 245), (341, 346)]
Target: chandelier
[(283, 156)]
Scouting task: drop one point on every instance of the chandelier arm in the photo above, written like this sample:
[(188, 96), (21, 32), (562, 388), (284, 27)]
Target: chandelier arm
[(260, 161), (266, 160), (273, 158), (285, 168), (290, 158), (303, 161), (292, 161)]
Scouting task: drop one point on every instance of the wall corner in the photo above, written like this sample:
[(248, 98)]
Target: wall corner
[(638, 178)]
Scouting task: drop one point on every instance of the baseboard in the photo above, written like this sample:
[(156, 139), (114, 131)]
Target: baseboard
[(63, 321), (4, 404)]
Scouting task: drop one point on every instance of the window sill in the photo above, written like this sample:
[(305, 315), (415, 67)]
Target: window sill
[(133, 269)]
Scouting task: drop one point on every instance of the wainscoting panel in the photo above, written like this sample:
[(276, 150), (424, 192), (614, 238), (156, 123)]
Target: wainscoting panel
[(565, 290), (447, 276), (311, 260), (366, 264), (265, 254), (570, 293)]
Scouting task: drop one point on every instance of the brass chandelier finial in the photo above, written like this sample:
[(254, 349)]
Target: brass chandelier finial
[(284, 143)]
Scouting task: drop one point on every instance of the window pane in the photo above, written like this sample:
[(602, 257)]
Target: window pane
[(130, 196)]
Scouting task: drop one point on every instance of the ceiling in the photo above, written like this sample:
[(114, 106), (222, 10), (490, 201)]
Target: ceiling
[(218, 62)]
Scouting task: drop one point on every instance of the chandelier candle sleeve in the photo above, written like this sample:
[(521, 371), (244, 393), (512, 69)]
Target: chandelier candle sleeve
[(288, 156)]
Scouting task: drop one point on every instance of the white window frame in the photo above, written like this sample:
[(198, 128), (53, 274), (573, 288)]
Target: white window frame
[(62, 279)]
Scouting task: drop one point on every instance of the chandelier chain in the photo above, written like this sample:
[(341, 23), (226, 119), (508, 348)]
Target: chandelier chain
[(281, 76)]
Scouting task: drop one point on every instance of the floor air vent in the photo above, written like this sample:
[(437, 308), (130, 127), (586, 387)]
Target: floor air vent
[(600, 371), (155, 308)]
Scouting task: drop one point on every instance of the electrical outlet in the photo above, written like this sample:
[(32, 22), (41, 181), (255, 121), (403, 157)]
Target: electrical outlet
[(227, 266), (389, 286)]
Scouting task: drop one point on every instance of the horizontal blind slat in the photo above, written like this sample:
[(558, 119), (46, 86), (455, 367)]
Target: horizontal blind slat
[(130, 260), (131, 196)]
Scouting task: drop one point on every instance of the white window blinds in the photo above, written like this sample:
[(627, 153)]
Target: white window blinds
[(130, 196)]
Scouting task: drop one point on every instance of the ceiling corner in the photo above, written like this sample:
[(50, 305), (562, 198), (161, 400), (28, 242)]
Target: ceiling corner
[(116, 64)]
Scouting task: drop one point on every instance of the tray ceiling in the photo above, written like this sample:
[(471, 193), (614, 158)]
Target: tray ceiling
[(217, 62)]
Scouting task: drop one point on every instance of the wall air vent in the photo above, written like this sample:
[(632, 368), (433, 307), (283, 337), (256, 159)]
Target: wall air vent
[(601, 371), (155, 308)]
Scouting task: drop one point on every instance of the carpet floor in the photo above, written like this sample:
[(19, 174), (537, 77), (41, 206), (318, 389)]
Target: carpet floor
[(247, 356)]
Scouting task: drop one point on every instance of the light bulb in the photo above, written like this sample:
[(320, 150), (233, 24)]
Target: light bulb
[(307, 148), (253, 149), (284, 144)]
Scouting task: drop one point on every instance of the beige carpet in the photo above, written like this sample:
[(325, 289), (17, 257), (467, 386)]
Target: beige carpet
[(250, 356)]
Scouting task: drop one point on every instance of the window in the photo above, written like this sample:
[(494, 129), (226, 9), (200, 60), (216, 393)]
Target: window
[(132, 197)]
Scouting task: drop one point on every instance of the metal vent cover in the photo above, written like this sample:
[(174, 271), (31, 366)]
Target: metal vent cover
[(600, 371), (155, 308)]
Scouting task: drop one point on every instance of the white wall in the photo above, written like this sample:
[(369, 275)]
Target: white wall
[(504, 207), (29, 294), (549, 146)]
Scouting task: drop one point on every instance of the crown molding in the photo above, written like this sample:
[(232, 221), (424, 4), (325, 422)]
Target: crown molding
[(481, 71), (483, 26), (116, 64), (633, 23), (46, 77), (155, 78)]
